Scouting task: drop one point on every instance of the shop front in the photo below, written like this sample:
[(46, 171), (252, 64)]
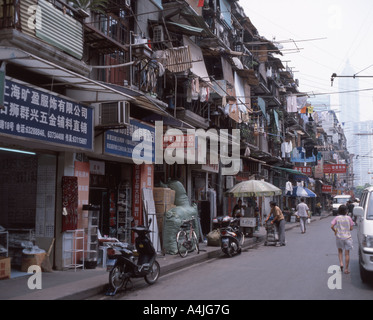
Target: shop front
[(39, 131)]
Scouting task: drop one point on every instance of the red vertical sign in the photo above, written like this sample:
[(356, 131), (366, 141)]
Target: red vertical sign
[(143, 176), (136, 195), (81, 171)]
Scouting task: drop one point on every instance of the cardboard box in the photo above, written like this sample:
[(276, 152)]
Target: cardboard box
[(32, 259), (163, 196), (4, 268), (161, 208)]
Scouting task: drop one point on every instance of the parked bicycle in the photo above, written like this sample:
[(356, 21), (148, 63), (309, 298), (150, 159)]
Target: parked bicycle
[(186, 238)]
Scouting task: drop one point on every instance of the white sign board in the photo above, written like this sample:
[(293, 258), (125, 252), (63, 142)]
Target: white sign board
[(247, 222)]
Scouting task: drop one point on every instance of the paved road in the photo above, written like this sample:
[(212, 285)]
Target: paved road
[(297, 271)]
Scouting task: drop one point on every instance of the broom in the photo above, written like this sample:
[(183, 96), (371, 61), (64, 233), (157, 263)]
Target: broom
[(46, 264)]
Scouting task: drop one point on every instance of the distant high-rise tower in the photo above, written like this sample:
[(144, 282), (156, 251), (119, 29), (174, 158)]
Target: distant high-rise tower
[(363, 159), (349, 110)]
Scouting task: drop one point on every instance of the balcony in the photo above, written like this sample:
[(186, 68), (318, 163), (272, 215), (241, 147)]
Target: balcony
[(107, 34), (48, 31)]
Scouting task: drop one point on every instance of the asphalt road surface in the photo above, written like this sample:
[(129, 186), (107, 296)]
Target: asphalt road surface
[(297, 271)]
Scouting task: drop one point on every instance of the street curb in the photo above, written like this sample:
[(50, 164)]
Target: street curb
[(101, 281)]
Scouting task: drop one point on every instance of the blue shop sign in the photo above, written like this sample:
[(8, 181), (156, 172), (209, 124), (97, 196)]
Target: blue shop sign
[(44, 116), (121, 142)]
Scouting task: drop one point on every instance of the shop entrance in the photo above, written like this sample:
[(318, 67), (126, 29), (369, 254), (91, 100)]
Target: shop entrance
[(27, 197), (100, 197)]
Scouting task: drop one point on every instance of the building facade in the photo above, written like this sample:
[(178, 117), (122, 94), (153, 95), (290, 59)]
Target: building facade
[(83, 86)]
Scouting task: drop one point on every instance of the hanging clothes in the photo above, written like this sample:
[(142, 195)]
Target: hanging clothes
[(286, 148), (288, 188), (291, 103)]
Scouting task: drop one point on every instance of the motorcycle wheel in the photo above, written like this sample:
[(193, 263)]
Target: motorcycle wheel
[(154, 273), (116, 278), (229, 251)]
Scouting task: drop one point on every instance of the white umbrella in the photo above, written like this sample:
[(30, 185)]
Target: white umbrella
[(254, 188), (303, 192)]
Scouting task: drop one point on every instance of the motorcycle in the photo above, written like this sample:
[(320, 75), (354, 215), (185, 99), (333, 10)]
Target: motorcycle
[(231, 238), (127, 266)]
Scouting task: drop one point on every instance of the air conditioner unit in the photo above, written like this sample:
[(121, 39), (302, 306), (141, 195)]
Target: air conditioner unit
[(158, 34), (114, 114)]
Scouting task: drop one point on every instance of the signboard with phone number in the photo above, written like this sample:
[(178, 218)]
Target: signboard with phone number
[(45, 116)]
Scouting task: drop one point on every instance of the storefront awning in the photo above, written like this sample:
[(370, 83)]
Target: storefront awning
[(79, 88), (291, 171)]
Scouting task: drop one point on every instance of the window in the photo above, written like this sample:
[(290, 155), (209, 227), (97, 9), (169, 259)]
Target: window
[(370, 207)]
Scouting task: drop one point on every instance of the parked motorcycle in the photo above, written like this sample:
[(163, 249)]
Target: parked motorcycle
[(231, 238), (127, 266)]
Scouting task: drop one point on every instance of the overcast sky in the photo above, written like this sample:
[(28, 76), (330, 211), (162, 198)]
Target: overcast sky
[(348, 28)]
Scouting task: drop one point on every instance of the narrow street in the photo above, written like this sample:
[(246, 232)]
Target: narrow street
[(297, 271)]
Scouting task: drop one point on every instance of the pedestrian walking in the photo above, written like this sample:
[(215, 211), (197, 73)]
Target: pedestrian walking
[(350, 207), (342, 226), (278, 221), (303, 213)]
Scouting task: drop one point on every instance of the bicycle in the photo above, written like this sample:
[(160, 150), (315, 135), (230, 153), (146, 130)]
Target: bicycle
[(186, 238)]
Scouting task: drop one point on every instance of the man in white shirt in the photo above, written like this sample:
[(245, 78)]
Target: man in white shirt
[(303, 213)]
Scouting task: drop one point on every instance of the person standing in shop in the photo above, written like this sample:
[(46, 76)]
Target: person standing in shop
[(303, 213)]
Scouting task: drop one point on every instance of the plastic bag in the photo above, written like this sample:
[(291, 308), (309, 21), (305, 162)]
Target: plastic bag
[(174, 217)]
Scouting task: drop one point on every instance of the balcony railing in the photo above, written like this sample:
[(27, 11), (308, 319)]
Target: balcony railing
[(45, 21)]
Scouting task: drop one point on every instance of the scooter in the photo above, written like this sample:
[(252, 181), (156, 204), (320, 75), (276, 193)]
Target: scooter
[(126, 266), (231, 238)]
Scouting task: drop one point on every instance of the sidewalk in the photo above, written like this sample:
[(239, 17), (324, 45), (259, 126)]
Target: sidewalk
[(82, 284)]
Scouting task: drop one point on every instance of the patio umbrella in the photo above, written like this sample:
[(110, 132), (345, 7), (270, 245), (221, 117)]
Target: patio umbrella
[(254, 188), (303, 192)]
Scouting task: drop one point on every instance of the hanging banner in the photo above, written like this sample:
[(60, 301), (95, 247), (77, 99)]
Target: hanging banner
[(335, 168)]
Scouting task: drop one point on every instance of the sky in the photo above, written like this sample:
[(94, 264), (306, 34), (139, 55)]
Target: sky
[(344, 31)]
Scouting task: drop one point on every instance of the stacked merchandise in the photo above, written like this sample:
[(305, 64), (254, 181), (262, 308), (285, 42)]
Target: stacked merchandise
[(164, 199)]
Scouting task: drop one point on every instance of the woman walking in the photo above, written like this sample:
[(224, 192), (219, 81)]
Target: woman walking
[(342, 226)]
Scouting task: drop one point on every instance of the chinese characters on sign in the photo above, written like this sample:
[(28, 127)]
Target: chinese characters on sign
[(121, 142), (143, 176), (81, 171), (335, 168), (40, 115), (178, 141), (326, 189), (305, 170)]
